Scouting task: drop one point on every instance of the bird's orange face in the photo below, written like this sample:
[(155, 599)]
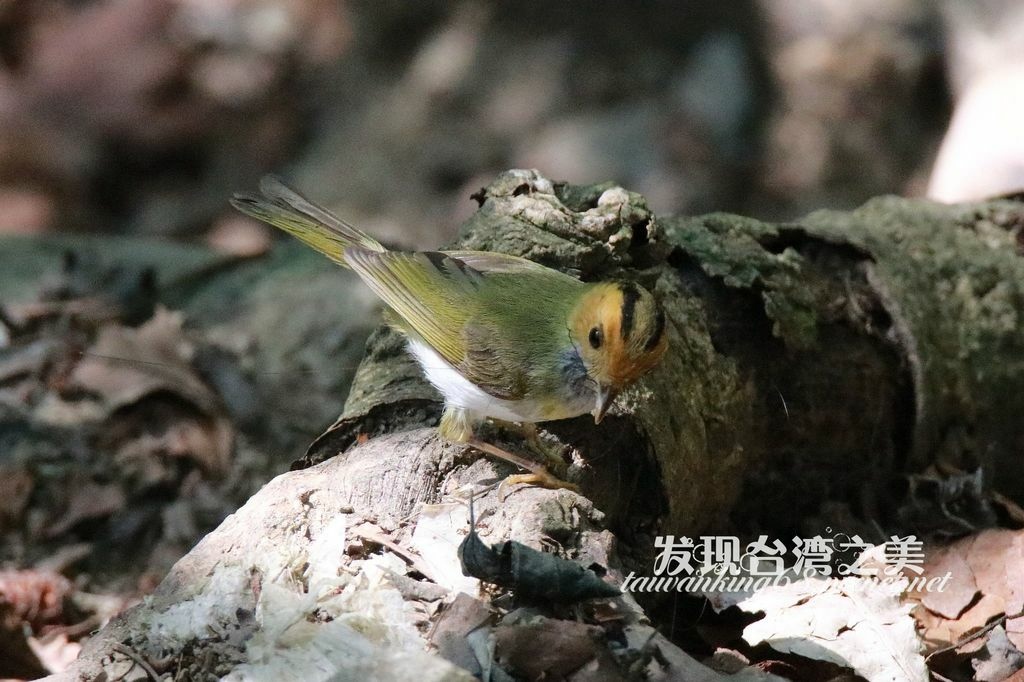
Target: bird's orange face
[(620, 331)]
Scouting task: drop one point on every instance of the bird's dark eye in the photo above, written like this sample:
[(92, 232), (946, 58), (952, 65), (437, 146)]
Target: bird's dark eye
[(595, 338)]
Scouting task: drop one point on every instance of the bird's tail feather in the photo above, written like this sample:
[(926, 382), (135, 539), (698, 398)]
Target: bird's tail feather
[(285, 208)]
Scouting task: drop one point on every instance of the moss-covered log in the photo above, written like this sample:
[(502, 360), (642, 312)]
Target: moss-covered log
[(810, 362)]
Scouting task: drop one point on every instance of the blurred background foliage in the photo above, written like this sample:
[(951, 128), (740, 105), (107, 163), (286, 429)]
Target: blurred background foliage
[(143, 116)]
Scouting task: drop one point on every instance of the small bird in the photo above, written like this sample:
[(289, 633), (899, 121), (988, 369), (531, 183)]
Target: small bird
[(498, 336)]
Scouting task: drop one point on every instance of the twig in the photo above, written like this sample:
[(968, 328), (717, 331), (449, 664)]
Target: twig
[(141, 662), (974, 635), (410, 558)]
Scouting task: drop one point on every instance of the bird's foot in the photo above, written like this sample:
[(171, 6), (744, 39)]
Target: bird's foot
[(541, 479), (538, 475), (551, 454)]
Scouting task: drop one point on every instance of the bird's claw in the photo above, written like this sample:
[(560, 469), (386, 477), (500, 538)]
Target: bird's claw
[(540, 478), (538, 475)]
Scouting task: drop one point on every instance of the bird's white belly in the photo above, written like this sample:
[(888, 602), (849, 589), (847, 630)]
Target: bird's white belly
[(461, 393)]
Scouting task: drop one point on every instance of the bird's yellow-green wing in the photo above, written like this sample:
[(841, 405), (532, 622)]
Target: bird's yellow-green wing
[(492, 371), (314, 225), (433, 293), (502, 263)]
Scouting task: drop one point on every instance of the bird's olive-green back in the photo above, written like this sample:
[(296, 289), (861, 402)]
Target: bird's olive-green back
[(518, 339), (503, 328)]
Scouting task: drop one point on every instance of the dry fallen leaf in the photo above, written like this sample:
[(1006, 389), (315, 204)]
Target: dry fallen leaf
[(999, 660), (56, 652), (206, 441), (853, 622), (35, 597), (962, 588), (448, 634), (987, 581), (531, 574), (88, 500), (126, 364), (440, 528), (549, 649)]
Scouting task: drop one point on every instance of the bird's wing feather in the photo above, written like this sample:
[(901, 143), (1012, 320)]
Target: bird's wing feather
[(502, 263), (432, 292), (285, 208), (490, 370)]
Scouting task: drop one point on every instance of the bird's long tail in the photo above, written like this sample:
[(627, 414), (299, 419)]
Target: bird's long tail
[(285, 208)]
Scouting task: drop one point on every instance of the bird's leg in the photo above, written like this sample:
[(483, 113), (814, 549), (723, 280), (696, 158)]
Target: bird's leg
[(456, 426), (529, 432), (538, 475)]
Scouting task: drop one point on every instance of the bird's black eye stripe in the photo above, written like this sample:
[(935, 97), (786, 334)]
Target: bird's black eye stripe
[(659, 330), (630, 296), (595, 338)]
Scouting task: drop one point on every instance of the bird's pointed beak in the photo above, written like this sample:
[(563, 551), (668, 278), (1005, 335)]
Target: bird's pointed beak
[(605, 398)]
